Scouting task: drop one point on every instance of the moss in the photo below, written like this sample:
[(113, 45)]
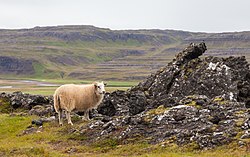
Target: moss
[(193, 104), (5, 106), (240, 113), (153, 112), (239, 122), (239, 134), (220, 100), (191, 146), (159, 110), (214, 127), (189, 70), (172, 139), (76, 118)]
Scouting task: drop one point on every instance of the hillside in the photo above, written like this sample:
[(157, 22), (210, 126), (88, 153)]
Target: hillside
[(88, 52)]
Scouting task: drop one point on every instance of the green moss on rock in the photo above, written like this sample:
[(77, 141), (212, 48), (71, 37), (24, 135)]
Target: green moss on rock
[(5, 106)]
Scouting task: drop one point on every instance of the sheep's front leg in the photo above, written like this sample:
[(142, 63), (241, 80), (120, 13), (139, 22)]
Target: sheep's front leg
[(60, 118), (86, 115), (69, 117)]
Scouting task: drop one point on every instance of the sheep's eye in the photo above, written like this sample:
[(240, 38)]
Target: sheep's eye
[(98, 87)]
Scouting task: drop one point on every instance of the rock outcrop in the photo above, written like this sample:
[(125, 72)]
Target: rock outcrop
[(204, 102), (35, 104)]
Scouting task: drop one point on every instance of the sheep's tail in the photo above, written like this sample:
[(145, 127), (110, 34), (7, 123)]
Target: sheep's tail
[(57, 105)]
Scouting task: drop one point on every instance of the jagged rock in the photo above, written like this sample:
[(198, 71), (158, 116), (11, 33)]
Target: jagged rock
[(31, 130), (211, 76), (19, 99), (37, 122), (49, 119), (191, 100), (208, 124), (246, 135), (26, 101), (46, 110), (123, 103)]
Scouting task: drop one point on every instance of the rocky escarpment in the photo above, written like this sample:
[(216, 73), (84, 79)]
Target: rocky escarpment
[(11, 65), (203, 103)]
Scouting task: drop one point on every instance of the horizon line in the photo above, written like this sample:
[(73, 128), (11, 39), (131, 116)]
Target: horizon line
[(122, 29)]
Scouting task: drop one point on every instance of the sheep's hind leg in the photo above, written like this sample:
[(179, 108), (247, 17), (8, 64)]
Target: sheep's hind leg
[(60, 118), (69, 118)]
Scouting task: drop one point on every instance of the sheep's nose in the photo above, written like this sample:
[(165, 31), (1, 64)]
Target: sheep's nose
[(103, 92)]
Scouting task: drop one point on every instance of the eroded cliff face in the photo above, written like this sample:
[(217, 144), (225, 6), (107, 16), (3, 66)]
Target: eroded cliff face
[(11, 65)]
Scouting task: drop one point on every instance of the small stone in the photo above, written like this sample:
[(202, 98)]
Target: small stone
[(37, 122), (241, 143), (245, 135)]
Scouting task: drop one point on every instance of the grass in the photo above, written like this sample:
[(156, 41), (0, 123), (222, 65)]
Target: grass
[(5, 106), (51, 140)]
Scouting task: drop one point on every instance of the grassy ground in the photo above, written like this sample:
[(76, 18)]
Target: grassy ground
[(51, 140)]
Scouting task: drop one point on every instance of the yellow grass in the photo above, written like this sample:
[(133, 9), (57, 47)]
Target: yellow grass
[(51, 140)]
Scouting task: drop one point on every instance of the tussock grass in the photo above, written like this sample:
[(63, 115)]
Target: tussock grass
[(52, 140)]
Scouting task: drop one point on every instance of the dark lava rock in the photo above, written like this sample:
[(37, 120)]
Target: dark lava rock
[(33, 104), (46, 110), (211, 76), (37, 122), (190, 100), (26, 101), (123, 103)]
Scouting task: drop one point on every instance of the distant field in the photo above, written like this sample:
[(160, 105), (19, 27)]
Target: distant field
[(48, 86)]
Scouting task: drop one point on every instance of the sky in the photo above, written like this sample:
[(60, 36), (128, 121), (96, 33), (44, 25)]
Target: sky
[(187, 15)]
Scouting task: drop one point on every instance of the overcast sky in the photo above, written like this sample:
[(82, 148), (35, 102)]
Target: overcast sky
[(188, 15)]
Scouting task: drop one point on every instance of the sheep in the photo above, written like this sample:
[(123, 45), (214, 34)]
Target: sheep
[(71, 97)]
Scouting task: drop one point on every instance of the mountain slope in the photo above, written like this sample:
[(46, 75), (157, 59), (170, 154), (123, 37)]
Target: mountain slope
[(88, 52)]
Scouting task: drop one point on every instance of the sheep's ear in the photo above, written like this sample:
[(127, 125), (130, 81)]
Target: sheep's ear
[(95, 84), (105, 84)]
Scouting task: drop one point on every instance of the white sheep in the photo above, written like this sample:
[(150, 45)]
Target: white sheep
[(71, 97)]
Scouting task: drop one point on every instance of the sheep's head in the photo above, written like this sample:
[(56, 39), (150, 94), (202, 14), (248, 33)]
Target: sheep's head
[(99, 88)]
